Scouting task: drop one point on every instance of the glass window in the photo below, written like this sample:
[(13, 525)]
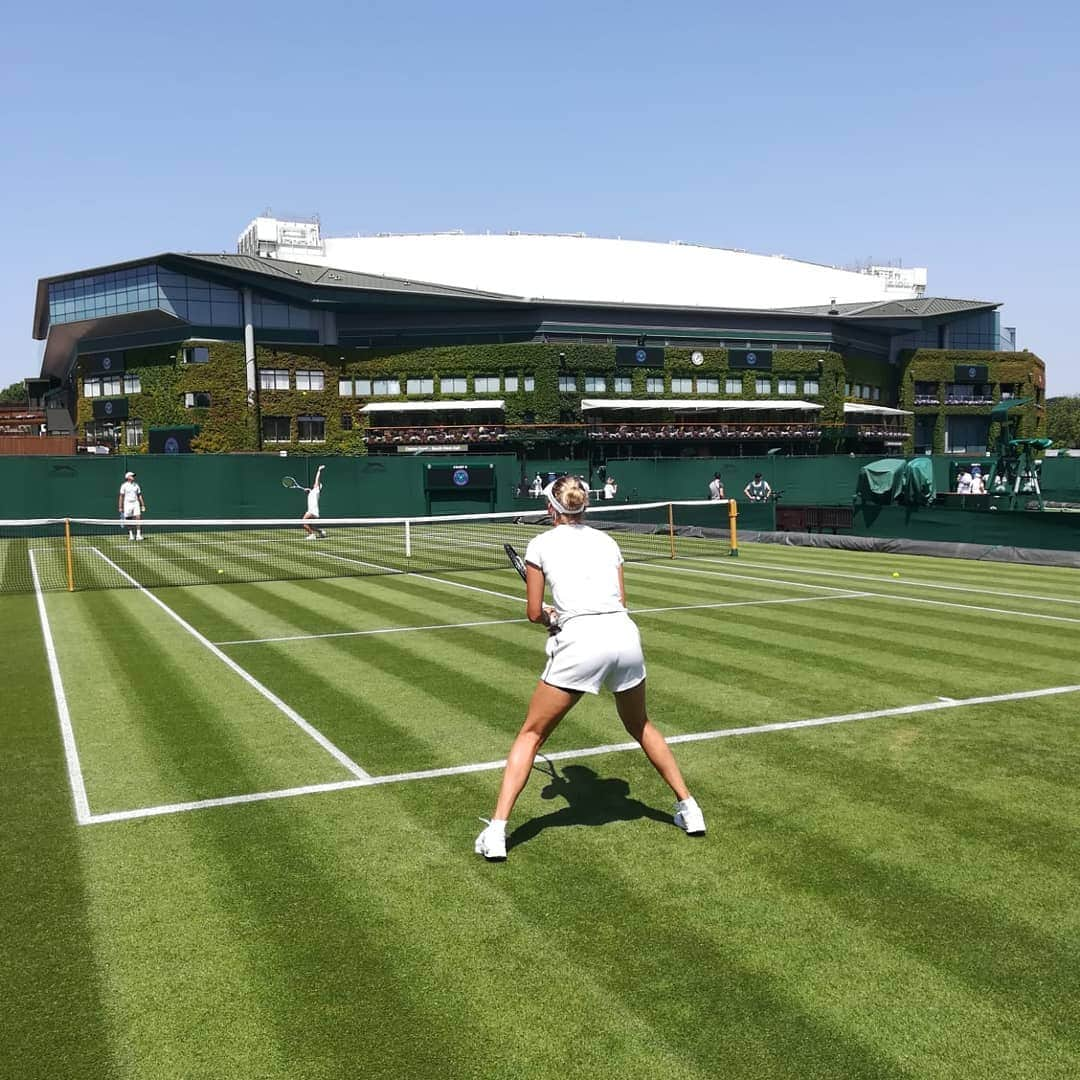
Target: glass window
[(345, 387), (91, 388), (486, 384), (762, 385), (623, 384), (877, 393), (196, 354), (273, 379), (419, 386), (132, 384), (530, 383), (733, 385), (363, 388), (810, 386), (681, 385), (567, 384), (786, 386), (346, 421), (708, 386), (276, 429), (510, 384), (654, 385), (199, 399), (311, 429), (309, 380), (454, 384), (385, 387), (132, 433), (595, 384)]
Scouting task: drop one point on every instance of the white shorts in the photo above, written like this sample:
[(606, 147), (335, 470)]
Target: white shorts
[(592, 651), (132, 511)]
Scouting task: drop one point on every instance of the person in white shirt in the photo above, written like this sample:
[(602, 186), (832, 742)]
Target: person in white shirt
[(978, 484), (758, 490), (611, 487), (963, 482), (131, 506), (312, 512), (716, 487), (537, 488), (596, 644)]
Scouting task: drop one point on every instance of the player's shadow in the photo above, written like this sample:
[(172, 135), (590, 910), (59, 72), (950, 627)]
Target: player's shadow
[(590, 800)]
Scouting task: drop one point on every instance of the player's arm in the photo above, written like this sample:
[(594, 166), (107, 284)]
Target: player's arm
[(622, 587), (535, 608)]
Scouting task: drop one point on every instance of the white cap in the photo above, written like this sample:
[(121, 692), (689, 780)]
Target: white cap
[(129, 476)]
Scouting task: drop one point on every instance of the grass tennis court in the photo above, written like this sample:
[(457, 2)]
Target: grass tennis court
[(238, 825)]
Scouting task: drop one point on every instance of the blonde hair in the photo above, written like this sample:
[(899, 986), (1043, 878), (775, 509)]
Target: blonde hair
[(570, 496)]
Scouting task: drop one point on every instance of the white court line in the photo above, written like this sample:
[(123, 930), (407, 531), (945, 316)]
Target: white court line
[(735, 576), (423, 577), (510, 622), (250, 679), (569, 755), (71, 751), (878, 579)]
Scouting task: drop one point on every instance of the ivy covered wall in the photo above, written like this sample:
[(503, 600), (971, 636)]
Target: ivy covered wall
[(230, 425), (1023, 370)]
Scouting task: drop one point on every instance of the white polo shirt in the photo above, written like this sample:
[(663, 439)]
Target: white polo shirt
[(313, 500), (130, 493), (581, 566)]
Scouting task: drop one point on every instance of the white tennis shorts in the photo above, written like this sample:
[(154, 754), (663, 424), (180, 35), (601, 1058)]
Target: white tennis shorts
[(592, 651)]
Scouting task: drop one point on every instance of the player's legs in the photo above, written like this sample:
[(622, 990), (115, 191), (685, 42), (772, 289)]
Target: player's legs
[(137, 516), (308, 516), (631, 707), (548, 706)]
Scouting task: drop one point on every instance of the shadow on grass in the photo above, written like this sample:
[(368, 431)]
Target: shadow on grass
[(590, 800)]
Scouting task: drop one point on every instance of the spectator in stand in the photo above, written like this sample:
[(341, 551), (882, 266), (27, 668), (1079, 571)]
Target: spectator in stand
[(963, 481), (758, 490), (978, 485), (611, 487), (716, 487), (537, 488)]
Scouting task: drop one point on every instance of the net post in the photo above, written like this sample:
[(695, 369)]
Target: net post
[(67, 549), (671, 527), (408, 540), (733, 516)]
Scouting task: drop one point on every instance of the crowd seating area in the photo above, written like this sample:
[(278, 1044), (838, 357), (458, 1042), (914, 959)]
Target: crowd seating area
[(487, 434)]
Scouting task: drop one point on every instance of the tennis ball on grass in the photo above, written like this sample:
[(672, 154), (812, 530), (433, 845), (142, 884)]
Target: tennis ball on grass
[(895, 573), (221, 571)]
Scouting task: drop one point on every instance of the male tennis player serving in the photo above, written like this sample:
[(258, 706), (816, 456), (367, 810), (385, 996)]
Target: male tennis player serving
[(312, 512), (597, 645)]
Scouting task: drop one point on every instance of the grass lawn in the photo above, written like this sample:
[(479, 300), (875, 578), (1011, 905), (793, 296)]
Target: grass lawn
[(240, 844)]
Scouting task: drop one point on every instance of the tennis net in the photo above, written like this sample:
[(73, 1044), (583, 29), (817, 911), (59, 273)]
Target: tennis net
[(96, 553)]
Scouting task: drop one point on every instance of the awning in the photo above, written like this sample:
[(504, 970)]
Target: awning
[(432, 406), (698, 404), (878, 410)]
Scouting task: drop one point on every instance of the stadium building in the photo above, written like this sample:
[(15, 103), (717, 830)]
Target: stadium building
[(391, 344)]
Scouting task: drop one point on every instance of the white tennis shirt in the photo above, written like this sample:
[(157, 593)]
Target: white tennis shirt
[(130, 493), (581, 566), (313, 499)]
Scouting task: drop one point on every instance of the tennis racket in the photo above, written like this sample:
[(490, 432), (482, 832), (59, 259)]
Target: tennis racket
[(290, 483), (518, 563)]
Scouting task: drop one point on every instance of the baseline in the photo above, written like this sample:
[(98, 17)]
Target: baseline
[(339, 755), (569, 755)]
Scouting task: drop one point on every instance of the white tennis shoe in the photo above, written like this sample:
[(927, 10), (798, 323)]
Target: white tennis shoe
[(311, 536), (491, 843), (689, 818)]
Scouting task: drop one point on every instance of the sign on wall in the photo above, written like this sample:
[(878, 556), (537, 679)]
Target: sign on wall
[(753, 359), (638, 356), (971, 373), (111, 408)]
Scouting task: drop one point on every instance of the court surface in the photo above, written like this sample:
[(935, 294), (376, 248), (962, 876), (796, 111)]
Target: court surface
[(247, 810)]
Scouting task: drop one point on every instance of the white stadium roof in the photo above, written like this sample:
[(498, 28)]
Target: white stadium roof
[(587, 269)]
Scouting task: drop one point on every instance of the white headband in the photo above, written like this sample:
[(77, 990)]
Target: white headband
[(549, 494)]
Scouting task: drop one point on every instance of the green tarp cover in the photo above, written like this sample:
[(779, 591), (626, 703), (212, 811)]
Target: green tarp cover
[(896, 479)]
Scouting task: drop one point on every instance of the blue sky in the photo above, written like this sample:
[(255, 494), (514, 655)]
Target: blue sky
[(945, 136)]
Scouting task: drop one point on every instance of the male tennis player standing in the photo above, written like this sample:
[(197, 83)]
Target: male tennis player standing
[(597, 644), (131, 506), (312, 512)]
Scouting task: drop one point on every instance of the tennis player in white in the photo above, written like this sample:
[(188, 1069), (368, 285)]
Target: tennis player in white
[(312, 512), (131, 506), (597, 644)]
